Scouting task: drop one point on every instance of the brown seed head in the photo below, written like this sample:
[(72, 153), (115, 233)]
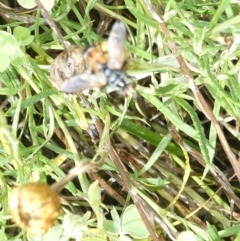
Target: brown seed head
[(67, 64), (34, 207)]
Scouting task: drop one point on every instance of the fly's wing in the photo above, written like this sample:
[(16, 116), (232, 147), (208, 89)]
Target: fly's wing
[(116, 49), (83, 82)]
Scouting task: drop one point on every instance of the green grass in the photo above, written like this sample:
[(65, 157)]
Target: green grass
[(166, 152)]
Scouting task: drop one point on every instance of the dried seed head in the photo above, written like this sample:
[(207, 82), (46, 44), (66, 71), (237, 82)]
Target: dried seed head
[(34, 207), (67, 64)]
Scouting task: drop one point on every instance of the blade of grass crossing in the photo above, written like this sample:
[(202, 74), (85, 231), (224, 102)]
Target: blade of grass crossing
[(201, 138)]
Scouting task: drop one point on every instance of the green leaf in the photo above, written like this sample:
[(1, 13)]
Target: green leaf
[(89, 6), (172, 117), (36, 237), (28, 4), (188, 235), (154, 184), (8, 44), (22, 35), (143, 17), (48, 4), (221, 8), (156, 154), (94, 195), (234, 230), (132, 223), (115, 216), (53, 234), (64, 238), (4, 63), (213, 233), (27, 41), (75, 225), (18, 58), (149, 136), (111, 227), (31, 100), (201, 138), (124, 238)]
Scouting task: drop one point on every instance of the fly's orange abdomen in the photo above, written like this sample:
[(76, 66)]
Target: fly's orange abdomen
[(95, 58)]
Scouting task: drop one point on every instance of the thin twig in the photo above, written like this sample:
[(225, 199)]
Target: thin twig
[(52, 25)]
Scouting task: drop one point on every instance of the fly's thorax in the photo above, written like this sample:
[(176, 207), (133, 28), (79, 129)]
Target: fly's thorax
[(115, 77)]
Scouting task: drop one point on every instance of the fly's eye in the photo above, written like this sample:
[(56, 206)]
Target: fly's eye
[(34, 207)]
